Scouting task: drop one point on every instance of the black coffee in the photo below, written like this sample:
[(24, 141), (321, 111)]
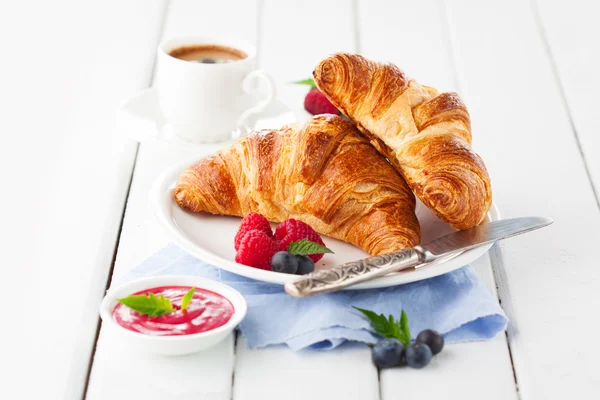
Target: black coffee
[(208, 53)]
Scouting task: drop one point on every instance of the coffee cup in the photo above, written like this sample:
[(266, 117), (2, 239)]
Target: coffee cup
[(208, 88)]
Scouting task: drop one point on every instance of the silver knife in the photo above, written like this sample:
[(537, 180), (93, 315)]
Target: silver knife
[(351, 273)]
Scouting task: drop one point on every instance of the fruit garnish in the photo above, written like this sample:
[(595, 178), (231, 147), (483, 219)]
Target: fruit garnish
[(148, 304), (187, 298), (293, 230), (389, 327), (305, 265), (284, 262), (298, 246), (256, 249), (252, 221), (418, 355), (153, 306), (309, 81), (304, 247), (289, 263), (316, 102), (431, 338), (387, 353)]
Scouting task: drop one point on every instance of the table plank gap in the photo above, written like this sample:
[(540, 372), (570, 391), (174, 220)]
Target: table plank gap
[(293, 39), (447, 33), (505, 302), (514, 97), (110, 274), (260, 7), (423, 48), (561, 88), (82, 167), (356, 26), (208, 374), (164, 13)]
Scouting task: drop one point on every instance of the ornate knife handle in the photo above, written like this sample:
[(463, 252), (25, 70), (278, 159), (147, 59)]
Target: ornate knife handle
[(336, 278)]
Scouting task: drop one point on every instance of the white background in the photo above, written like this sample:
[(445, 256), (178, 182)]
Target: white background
[(74, 208)]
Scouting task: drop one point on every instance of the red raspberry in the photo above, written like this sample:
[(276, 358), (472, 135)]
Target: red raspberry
[(315, 103), (256, 249), (291, 230), (251, 222)]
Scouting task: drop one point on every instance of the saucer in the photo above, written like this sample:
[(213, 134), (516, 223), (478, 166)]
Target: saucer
[(141, 119)]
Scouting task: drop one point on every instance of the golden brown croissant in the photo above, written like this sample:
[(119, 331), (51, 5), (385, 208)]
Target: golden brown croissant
[(426, 135), (322, 172)]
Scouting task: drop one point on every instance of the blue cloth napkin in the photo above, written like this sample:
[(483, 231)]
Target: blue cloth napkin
[(456, 304)]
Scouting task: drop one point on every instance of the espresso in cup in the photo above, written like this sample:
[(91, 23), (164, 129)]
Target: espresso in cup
[(212, 95), (207, 53)]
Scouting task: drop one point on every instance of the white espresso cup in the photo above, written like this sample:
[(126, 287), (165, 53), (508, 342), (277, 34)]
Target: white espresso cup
[(207, 103)]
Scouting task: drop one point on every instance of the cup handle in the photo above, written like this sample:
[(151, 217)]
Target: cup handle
[(247, 87)]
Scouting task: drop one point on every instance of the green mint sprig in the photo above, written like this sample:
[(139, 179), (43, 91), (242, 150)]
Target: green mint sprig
[(148, 304), (310, 82), (389, 327), (154, 306), (304, 247), (187, 298)]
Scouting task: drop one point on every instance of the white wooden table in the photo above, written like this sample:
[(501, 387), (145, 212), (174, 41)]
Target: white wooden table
[(75, 214)]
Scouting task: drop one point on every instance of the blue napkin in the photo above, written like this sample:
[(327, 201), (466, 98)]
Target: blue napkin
[(456, 304)]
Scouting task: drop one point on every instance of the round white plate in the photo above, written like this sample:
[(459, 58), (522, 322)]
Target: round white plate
[(210, 238)]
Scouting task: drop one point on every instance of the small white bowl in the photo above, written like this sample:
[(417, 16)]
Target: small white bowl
[(173, 345)]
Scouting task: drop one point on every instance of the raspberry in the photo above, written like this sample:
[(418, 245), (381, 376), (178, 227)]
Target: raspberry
[(315, 103), (251, 222), (256, 249), (291, 230)]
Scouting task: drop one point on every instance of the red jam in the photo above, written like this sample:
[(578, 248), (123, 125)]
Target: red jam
[(206, 311)]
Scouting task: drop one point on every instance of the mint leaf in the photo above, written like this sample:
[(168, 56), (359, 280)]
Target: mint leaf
[(379, 322), (389, 327), (148, 304), (404, 325), (187, 298), (305, 247), (310, 82)]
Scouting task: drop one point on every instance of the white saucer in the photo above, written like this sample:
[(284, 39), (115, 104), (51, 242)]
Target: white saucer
[(141, 119), (210, 238)]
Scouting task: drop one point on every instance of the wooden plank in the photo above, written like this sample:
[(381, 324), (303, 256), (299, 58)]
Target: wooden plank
[(548, 280), (206, 375), (473, 370), (422, 48), (289, 51), (279, 373), (64, 72), (571, 34)]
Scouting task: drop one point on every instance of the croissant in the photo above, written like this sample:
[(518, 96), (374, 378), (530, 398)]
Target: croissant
[(425, 134), (322, 172)]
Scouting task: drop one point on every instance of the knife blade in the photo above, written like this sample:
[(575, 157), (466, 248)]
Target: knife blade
[(351, 273)]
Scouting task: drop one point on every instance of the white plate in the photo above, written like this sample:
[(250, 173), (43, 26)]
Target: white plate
[(210, 238)]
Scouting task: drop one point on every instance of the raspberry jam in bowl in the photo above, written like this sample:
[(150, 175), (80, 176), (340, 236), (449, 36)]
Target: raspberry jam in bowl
[(211, 311)]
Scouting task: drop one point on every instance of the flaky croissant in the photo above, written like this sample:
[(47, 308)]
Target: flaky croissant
[(425, 134), (322, 172)]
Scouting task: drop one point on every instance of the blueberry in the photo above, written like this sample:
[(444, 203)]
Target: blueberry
[(284, 262), (403, 362), (305, 265), (418, 355), (431, 338), (387, 353)]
